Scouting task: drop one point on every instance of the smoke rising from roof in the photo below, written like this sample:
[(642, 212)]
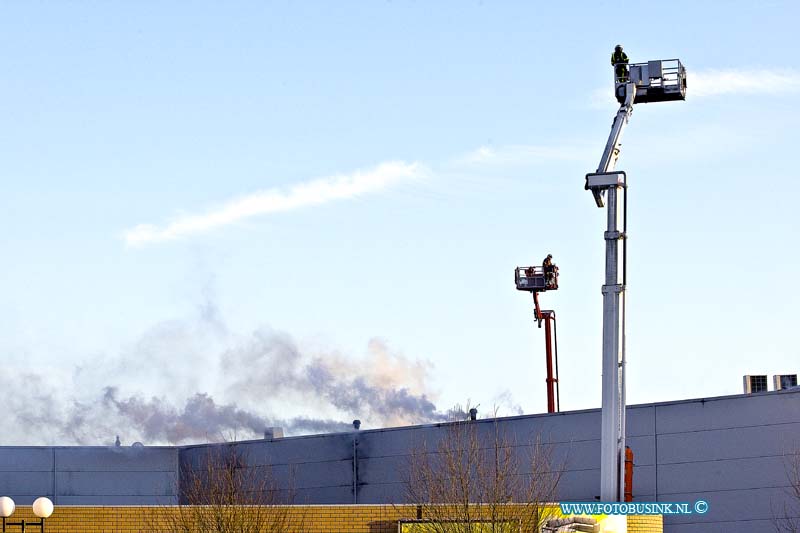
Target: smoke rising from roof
[(201, 417), (196, 381), (383, 386)]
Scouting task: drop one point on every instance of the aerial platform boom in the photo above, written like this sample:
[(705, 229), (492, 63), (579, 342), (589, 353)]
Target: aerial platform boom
[(654, 81), (614, 143), (536, 279)]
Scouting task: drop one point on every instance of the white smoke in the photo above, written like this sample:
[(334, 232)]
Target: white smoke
[(716, 82), (316, 192), (197, 381)]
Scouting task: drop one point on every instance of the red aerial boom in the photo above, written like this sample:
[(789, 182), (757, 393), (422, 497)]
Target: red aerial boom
[(536, 279)]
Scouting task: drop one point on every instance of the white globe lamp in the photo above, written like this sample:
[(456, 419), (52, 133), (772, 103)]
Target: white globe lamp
[(43, 507), (6, 507)]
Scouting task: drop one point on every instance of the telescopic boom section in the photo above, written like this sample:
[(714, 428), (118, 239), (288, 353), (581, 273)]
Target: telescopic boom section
[(662, 80), (611, 152), (551, 356)]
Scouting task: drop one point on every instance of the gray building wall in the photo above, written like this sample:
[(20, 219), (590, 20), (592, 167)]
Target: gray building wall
[(89, 475), (728, 451)]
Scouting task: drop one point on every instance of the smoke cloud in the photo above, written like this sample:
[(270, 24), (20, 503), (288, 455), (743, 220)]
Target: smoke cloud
[(382, 386), (744, 81), (196, 381)]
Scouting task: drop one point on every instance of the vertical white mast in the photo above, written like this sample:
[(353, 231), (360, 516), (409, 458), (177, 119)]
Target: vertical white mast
[(613, 414), (609, 185)]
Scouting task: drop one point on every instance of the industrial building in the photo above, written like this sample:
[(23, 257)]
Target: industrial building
[(729, 451), (732, 452)]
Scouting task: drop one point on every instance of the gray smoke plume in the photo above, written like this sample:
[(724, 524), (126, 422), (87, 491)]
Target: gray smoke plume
[(199, 418), (196, 381), (202, 419), (383, 387)]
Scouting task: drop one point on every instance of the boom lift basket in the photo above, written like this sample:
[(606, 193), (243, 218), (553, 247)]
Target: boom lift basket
[(534, 279), (663, 80)]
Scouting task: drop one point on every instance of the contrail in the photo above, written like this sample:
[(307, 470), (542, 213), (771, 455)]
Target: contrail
[(311, 193)]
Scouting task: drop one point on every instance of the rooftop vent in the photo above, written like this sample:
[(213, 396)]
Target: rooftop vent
[(784, 381), (273, 433), (755, 384), (356, 424)]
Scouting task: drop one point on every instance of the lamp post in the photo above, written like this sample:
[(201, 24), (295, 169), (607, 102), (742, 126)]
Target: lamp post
[(42, 508)]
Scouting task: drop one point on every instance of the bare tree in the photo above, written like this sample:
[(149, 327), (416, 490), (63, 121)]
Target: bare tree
[(788, 519), (478, 478), (224, 495)]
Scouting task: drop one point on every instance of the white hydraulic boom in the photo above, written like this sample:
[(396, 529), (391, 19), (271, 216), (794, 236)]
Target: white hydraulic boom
[(612, 440), (654, 81), (611, 153)]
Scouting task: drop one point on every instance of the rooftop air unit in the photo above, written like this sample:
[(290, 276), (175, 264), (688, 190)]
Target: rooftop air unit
[(784, 381), (755, 384), (273, 433)]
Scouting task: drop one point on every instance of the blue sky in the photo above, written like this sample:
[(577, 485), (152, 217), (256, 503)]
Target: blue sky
[(404, 157)]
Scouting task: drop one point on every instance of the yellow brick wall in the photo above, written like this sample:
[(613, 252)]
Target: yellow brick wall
[(646, 524), (306, 519)]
